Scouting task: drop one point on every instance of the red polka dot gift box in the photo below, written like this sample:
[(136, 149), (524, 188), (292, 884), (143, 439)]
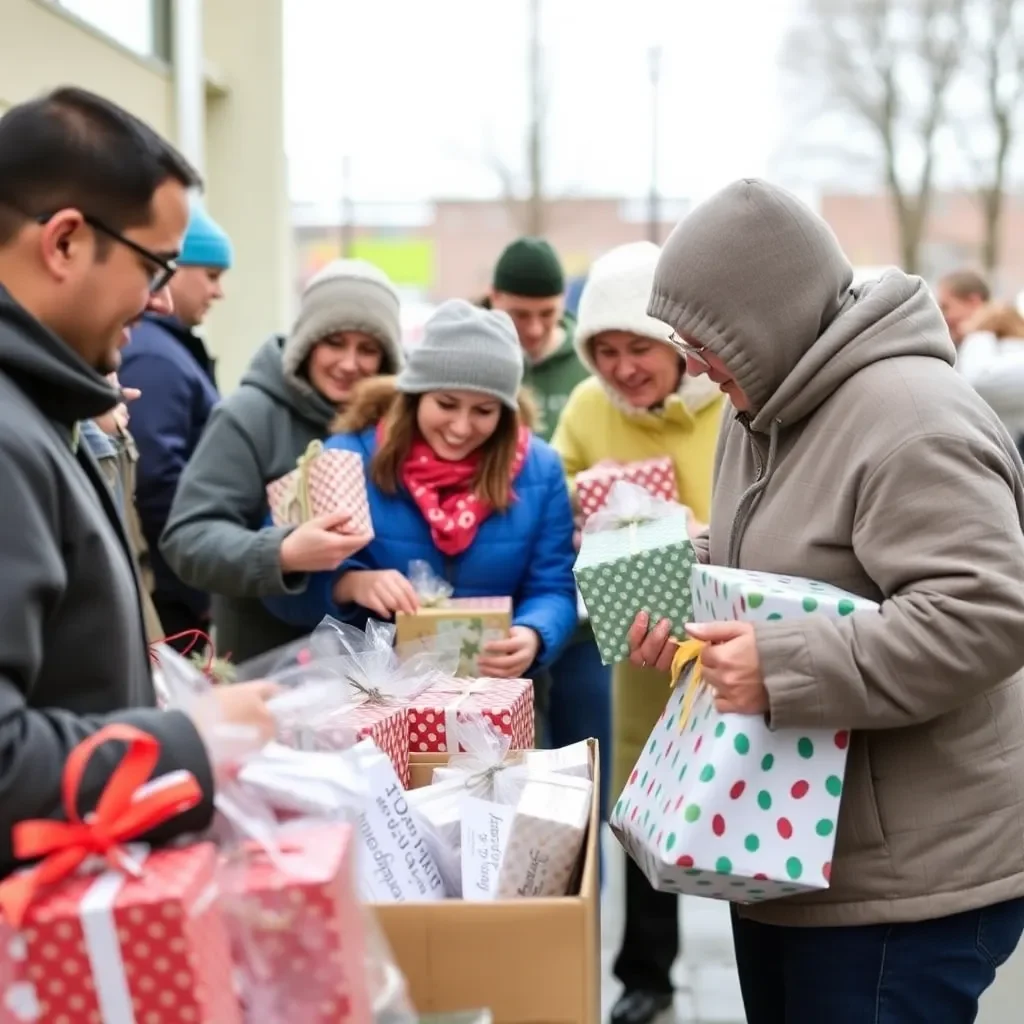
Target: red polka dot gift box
[(324, 481), (297, 928), (718, 805), (435, 715), (109, 946), (656, 476)]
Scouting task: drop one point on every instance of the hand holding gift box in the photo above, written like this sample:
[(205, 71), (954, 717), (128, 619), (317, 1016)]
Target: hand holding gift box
[(720, 805), (472, 621), (143, 939), (593, 486), (636, 556), (323, 482)]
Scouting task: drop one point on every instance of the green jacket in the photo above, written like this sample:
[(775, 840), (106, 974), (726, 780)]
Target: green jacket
[(553, 379)]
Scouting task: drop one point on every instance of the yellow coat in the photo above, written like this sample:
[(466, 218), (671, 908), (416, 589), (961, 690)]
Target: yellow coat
[(597, 425)]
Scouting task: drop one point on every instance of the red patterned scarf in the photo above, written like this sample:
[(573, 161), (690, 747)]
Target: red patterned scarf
[(442, 492)]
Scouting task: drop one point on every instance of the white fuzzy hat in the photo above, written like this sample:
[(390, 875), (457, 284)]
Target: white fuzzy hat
[(615, 298), (346, 295)]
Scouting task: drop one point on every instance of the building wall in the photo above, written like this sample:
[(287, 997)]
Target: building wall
[(866, 228), (42, 46), (465, 238)]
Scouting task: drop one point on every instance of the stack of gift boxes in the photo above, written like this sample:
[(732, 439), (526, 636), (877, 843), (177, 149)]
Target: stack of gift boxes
[(268, 923)]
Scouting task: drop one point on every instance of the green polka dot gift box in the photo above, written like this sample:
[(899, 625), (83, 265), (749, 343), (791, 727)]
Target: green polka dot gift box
[(719, 805), (641, 566)]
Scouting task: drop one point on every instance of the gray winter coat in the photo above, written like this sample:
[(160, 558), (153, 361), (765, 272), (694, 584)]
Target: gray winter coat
[(215, 539), (73, 654)]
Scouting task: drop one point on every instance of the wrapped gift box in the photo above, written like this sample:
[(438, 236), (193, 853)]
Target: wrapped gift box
[(476, 619), (325, 481), (720, 805), (112, 947), (640, 567), (656, 476), (297, 927), (435, 714)]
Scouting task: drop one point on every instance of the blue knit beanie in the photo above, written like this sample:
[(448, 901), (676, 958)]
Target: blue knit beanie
[(206, 243)]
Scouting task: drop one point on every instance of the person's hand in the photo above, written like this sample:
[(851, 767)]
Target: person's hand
[(511, 657), (115, 422), (234, 721), (651, 648), (381, 591), (321, 544), (731, 666)]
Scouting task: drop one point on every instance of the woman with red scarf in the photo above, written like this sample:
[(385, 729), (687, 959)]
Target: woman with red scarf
[(457, 479)]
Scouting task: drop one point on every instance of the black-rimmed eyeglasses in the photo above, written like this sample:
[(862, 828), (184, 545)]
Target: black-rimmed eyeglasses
[(164, 270)]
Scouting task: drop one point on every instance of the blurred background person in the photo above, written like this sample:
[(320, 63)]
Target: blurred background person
[(169, 364), (960, 295)]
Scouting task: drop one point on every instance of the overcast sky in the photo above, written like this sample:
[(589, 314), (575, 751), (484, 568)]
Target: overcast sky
[(425, 95)]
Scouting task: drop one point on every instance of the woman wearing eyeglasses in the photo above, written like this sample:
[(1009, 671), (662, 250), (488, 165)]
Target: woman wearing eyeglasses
[(638, 405), (216, 541)]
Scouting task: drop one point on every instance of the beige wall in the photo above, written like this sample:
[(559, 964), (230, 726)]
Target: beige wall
[(247, 176), (41, 47)]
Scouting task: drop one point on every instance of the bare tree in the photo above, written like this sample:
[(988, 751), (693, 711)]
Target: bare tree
[(535, 137), (884, 68), (989, 131)]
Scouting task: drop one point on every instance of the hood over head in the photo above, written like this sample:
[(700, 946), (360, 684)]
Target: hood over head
[(759, 279), (614, 298), (64, 387), (266, 372)]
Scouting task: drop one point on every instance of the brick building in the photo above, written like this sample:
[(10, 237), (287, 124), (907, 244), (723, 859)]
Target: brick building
[(447, 248), (866, 228)]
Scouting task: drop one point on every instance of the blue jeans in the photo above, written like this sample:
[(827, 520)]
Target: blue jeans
[(923, 972)]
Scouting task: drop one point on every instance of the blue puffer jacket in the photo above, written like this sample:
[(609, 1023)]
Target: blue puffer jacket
[(525, 553)]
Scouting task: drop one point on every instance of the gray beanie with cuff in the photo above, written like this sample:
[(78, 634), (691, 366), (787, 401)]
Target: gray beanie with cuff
[(466, 348), (346, 295)]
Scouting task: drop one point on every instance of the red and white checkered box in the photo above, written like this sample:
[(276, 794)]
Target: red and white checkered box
[(435, 714), (336, 482), (656, 476)]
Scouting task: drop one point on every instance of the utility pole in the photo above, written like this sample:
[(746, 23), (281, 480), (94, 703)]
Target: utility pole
[(654, 199), (347, 226), (535, 143)]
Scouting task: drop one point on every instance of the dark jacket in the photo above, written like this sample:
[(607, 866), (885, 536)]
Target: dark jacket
[(215, 538), (172, 369), (525, 553), (73, 654)]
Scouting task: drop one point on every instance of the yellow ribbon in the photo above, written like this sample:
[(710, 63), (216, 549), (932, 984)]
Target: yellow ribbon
[(688, 653), (298, 505)]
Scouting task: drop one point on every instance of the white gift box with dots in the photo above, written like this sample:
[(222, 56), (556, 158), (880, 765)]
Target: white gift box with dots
[(726, 807)]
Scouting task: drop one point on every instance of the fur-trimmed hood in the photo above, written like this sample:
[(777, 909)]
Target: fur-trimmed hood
[(615, 299), (372, 398)]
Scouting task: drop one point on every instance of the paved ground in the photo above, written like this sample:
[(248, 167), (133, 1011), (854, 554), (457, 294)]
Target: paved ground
[(708, 992), (705, 976)]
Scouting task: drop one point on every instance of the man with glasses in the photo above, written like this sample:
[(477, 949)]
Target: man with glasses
[(93, 207), (168, 363)]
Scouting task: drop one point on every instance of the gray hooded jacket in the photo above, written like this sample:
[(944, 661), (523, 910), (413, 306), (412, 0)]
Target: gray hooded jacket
[(868, 462), (215, 539), (73, 653)]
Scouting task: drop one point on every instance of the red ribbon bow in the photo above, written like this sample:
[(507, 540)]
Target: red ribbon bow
[(119, 816)]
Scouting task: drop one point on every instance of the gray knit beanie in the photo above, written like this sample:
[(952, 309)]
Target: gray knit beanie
[(346, 295), (466, 348)]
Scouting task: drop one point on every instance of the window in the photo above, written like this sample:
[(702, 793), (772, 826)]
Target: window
[(142, 26)]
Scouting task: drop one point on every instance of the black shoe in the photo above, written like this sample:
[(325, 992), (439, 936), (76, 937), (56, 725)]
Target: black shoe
[(641, 1007)]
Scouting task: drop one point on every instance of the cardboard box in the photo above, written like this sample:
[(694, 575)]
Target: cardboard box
[(478, 619), (532, 961)]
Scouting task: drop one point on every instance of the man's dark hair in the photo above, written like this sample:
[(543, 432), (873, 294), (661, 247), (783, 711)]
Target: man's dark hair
[(966, 284), (72, 148)]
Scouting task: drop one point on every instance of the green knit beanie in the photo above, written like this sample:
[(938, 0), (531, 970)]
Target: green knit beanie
[(529, 266)]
